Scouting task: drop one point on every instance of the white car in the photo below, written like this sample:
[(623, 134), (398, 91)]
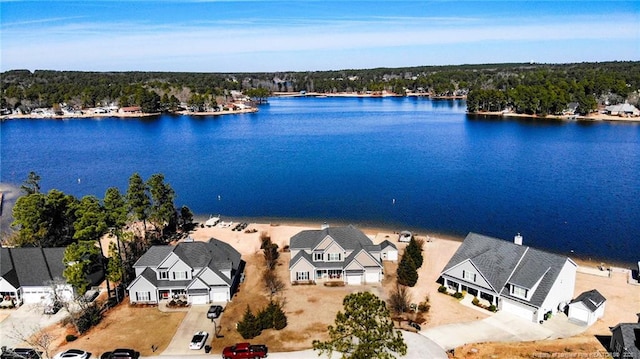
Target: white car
[(198, 340), (73, 354)]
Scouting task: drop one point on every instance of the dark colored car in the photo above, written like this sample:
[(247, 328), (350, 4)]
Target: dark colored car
[(20, 353), (415, 325), (214, 311), (245, 350), (121, 353)]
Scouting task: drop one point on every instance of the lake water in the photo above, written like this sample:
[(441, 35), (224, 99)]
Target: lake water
[(394, 162)]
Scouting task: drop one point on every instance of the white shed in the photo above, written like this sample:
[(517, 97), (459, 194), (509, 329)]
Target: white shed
[(587, 307), (388, 251)]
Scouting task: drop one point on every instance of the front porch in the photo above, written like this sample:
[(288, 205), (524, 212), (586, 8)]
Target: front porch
[(485, 297), (325, 275)]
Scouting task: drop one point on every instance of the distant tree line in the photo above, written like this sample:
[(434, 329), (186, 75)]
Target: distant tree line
[(527, 88)]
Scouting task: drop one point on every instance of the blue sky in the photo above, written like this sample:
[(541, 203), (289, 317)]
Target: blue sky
[(252, 36)]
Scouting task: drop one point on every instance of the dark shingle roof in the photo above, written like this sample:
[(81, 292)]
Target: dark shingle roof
[(31, 266), (503, 262), (630, 334), (494, 258), (591, 299), (349, 238), (214, 254)]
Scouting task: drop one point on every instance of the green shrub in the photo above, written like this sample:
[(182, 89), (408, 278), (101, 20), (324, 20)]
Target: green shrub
[(493, 308), (70, 337), (475, 301), (458, 295), (442, 289)]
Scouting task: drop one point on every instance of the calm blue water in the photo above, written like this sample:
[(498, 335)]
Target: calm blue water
[(564, 186)]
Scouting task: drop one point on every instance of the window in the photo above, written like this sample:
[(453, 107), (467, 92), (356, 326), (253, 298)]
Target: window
[(164, 275), (143, 296), (518, 291), (318, 256), (468, 276), (179, 275), (302, 275), (334, 257)]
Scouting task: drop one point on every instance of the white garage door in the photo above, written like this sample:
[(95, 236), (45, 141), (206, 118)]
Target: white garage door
[(199, 299), (354, 279), (578, 314), (392, 255), (372, 277), (515, 309), (219, 297)]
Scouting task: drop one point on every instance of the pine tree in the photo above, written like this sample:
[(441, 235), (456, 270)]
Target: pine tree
[(249, 327), (414, 249), (407, 274)]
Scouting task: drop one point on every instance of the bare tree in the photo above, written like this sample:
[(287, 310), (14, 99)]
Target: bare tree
[(399, 300), (35, 337), (273, 283)]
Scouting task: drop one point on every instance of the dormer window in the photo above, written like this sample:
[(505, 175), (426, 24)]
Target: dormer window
[(179, 275), (335, 257), (318, 257), (470, 276), (163, 274), (518, 291)]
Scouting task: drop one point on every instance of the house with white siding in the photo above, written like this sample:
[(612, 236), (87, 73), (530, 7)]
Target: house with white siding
[(28, 275), (199, 272), (515, 278), (587, 308), (338, 254)]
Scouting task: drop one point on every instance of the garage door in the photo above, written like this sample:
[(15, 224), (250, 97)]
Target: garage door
[(354, 279), (372, 277), (392, 255), (34, 296), (199, 299), (219, 297), (578, 314), (515, 309)]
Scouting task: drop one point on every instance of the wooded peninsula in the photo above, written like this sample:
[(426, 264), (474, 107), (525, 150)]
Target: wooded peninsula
[(531, 88)]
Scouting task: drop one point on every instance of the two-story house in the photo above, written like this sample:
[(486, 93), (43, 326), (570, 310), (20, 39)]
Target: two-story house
[(515, 278), (340, 253), (200, 272)]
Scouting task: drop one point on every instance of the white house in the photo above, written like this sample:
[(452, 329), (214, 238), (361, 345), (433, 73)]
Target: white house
[(28, 274), (587, 307), (200, 272), (515, 278), (340, 253)]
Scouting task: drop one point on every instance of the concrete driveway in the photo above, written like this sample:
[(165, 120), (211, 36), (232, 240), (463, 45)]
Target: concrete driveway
[(25, 321), (195, 320), (501, 327)]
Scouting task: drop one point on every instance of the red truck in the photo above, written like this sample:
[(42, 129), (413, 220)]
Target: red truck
[(245, 350)]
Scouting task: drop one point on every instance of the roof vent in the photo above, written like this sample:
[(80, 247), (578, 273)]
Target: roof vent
[(517, 239)]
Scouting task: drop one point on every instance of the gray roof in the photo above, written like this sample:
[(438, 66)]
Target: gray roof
[(214, 254), (31, 266), (592, 299), (349, 238), (386, 243), (630, 335), (502, 262)]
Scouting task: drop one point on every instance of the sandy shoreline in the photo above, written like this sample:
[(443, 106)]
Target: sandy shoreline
[(123, 115), (591, 117), (374, 229)]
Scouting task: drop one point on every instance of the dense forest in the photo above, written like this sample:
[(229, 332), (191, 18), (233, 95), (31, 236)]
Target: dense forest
[(524, 88)]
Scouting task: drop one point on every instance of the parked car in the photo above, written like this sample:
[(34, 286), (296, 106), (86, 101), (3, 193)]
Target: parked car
[(415, 325), (214, 311), (121, 353), (52, 307), (198, 340), (245, 350), (73, 354), (20, 353), (90, 295)]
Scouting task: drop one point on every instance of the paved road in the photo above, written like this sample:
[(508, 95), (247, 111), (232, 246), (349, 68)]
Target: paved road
[(419, 347)]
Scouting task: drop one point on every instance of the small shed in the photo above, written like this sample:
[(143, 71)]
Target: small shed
[(587, 307), (388, 251)]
